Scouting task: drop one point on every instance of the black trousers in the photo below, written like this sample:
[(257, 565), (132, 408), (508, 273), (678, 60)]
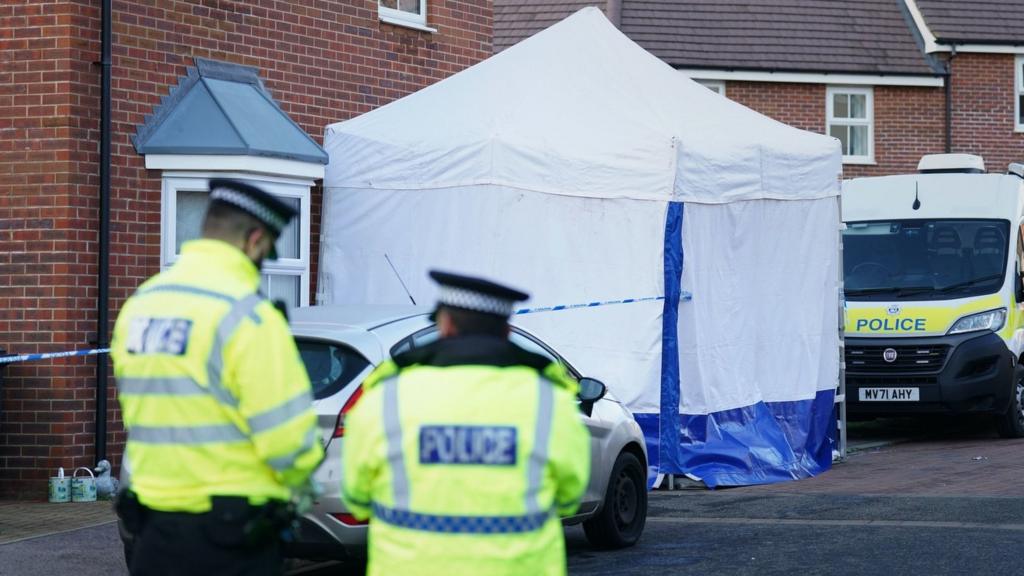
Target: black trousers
[(170, 544)]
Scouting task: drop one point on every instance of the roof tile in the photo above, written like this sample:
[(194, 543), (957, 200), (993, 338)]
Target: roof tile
[(975, 21), (838, 36)]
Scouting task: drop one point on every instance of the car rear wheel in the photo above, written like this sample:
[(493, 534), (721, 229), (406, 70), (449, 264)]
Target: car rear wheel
[(622, 519), (1011, 424)]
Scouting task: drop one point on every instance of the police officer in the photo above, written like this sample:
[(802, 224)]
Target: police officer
[(465, 452), (215, 400)]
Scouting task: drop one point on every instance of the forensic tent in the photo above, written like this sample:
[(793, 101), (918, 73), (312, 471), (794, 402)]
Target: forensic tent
[(582, 169)]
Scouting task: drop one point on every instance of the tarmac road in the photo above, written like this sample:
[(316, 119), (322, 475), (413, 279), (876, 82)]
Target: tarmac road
[(948, 501)]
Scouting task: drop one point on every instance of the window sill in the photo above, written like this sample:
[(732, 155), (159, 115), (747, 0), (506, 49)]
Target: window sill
[(859, 162), (406, 24)]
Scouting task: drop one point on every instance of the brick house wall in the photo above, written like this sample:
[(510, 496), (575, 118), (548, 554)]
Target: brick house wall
[(323, 61), (983, 95), (909, 122)]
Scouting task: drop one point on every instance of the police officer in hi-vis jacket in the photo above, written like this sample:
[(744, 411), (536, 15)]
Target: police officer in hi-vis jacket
[(464, 453), (215, 399)]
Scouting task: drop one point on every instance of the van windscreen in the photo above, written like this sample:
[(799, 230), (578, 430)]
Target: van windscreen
[(924, 259)]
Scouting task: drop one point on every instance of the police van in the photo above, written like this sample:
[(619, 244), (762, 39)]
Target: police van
[(934, 297)]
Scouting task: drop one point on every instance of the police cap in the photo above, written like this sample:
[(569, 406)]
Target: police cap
[(269, 210), (476, 294)]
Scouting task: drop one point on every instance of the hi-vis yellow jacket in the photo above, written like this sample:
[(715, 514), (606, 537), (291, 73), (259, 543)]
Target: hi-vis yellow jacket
[(213, 393), (464, 461)]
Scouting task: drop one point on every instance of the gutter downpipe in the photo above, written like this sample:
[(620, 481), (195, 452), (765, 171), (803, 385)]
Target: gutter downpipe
[(103, 296), (949, 99), (615, 13)]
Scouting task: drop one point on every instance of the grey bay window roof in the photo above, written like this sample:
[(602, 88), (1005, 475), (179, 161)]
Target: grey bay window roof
[(220, 108)]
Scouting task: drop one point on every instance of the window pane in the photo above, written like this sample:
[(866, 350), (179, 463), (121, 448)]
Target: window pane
[(281, 287), (840, 105), (858, 106), (393, 4), (331, 367), (411, 6), (288, 242), (1020, 109), (191, 206), (530, 346), (841, 132), (858, 141)]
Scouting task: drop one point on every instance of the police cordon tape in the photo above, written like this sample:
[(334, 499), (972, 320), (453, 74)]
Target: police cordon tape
[(683, 297), (48, 355)]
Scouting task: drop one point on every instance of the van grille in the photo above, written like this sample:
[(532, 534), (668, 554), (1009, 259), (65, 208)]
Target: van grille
[(871, 359), (853, 382)]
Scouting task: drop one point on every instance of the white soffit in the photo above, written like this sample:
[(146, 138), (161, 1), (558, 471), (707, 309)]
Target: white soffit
[(253, 164), (814, 78)]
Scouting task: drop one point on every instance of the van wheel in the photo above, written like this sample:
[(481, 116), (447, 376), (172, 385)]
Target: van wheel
[(1011, 424), (622, 519)]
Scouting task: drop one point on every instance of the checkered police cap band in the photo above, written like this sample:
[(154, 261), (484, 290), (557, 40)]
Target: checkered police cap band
[(272, 219), (474, 301)]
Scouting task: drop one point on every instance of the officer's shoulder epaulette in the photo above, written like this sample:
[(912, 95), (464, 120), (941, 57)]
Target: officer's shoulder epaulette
[(386, 370)]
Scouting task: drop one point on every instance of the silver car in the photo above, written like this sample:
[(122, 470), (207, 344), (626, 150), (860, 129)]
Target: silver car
[(341, 345)]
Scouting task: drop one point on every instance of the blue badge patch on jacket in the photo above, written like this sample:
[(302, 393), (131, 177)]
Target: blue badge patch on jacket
[(483, 445), (158, 336)]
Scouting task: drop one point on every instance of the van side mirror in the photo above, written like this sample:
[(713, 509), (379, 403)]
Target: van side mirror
[(1018, 287)]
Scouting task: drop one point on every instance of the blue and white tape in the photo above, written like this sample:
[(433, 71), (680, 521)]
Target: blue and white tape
[(48, 355), (683, 297)]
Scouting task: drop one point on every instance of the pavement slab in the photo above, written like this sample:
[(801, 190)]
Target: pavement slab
[(24, 520)]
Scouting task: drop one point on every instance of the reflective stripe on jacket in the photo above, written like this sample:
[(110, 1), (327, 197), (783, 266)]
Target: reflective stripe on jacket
[(213, 392), (465, 469)]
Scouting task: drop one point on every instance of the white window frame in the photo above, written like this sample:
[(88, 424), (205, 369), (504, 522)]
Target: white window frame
[(406, 19), (716, 86), (1018, 84), (173, 182), (869, 121)]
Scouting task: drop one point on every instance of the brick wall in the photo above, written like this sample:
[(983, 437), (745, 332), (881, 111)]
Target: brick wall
[(909, 122), (799, 105), (48, 91), (983, 107), (323, 61)]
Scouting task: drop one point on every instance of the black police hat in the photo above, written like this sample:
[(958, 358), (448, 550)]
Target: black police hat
[(268, 209), (476, 294)]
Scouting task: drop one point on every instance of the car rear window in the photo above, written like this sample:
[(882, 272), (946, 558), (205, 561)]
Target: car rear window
[(331, 366)]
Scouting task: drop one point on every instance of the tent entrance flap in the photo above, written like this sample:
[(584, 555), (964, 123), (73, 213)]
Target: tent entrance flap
[(668, 433)]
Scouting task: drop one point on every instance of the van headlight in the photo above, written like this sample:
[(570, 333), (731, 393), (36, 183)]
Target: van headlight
[(993, 320)]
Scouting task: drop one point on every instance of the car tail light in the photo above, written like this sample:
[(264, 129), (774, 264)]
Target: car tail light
[(339, 427), (349, 520)]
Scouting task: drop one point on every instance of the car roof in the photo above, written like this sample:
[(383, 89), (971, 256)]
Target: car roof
[(362, 316)]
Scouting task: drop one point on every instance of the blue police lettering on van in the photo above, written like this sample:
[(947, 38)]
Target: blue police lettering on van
[(483, 445), (890, 325)]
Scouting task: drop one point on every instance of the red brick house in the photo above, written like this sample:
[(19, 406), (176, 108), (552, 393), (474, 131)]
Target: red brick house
[(892, 79), (270, 74)]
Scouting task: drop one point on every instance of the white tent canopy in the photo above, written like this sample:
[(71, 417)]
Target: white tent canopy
[(580, 167)]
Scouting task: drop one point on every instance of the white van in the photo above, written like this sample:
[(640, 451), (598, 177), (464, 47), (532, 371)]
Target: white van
[(934, 297)]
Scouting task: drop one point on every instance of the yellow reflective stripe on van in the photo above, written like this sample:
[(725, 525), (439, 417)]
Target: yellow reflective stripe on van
[(913, 318)]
